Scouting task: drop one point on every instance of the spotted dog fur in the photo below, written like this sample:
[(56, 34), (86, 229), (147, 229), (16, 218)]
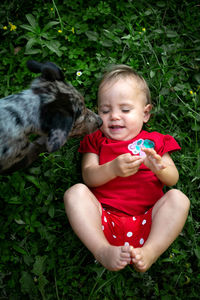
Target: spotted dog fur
[(51, 109)]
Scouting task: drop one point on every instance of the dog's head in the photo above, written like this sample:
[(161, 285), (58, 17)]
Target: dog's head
[(63, 112)]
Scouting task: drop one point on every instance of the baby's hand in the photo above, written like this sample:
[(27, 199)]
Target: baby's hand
[(153, 161), (126, 164)]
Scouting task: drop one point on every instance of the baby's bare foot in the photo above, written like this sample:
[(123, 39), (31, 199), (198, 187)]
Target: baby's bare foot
[(114, 258), (143, 258)]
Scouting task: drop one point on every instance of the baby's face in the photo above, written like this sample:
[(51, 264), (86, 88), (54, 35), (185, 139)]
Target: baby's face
[(123, 109)]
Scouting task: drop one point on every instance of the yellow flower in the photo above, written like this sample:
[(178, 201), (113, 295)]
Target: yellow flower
[(73, 31), (59, 31), (51, 8), (191, 92), (12, 27), (5, 27), (79, 73), (144, 29)]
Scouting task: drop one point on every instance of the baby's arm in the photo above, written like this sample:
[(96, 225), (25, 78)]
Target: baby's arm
[(95, 175), (163, 167)]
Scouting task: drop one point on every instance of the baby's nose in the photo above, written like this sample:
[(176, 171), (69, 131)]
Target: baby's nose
[(115, 115)]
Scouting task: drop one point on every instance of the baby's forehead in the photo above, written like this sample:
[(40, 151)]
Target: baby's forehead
[(107, 85)]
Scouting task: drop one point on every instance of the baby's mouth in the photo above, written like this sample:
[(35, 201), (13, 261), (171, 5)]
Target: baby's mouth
[(116, 126)]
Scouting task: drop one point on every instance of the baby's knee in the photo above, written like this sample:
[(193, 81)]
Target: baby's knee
[(179, 199), (74, 193)]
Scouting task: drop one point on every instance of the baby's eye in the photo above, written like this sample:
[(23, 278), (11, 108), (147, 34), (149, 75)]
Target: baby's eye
[(125, 110), (105, 112)]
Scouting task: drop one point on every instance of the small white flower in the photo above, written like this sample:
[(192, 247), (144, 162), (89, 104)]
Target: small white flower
[(79, 73)]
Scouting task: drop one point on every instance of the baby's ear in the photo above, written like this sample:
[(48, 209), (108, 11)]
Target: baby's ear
[(147, 110)]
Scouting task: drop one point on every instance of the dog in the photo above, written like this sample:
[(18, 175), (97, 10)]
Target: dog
[(40, 119)]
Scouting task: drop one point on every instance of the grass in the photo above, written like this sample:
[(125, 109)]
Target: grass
[(40, 256)]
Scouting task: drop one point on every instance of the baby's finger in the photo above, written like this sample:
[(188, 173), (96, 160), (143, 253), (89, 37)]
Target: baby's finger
[(149, 151), (137, 162)]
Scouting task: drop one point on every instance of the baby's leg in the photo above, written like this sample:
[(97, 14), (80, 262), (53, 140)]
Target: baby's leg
[(84, 214), (168, 218)]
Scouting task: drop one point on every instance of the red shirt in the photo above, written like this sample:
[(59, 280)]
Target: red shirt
[(137, 193)]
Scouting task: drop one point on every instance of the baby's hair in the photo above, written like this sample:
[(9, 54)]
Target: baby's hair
[(115, 72)]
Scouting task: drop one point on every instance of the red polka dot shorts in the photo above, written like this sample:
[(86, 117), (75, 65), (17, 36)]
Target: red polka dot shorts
[(122, 229)]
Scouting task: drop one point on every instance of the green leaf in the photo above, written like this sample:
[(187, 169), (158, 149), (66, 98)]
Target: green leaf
[(53, 46), (30, 43), (33, 179), (197, 77), (50, 25), (19, 221), (42, 281), (152, 74), (18, 249), (196, 127), (33, 51), (106, 43), (171, 34), (126, 37), (27, 283), (51, 211), (28, 27), (46, 36), (92, 35), (148, 12), (39, 265), (31, 20), (197, 252), (15, 200), (159, 31)]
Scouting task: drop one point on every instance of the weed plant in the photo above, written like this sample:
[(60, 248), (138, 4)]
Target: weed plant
[(40, 256)]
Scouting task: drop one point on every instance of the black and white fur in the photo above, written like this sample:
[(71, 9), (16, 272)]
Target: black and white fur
[(51, 109)]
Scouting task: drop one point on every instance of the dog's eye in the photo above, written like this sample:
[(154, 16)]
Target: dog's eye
[(78, 113)]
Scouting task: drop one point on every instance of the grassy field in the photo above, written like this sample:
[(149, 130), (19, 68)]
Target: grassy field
[(40, 256)]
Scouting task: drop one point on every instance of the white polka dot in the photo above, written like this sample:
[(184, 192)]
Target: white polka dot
[(141, 241), (126, 244), (113, 224), (129, 234), (134, 218), (102, 227), (108, 212), (114, 236), (144, 222), (105, 220)]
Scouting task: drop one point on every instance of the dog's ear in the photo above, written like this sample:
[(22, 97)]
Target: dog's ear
[(49, 70), (60, 129)]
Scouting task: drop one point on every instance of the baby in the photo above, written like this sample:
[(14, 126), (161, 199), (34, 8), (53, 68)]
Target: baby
[(121, 213)]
